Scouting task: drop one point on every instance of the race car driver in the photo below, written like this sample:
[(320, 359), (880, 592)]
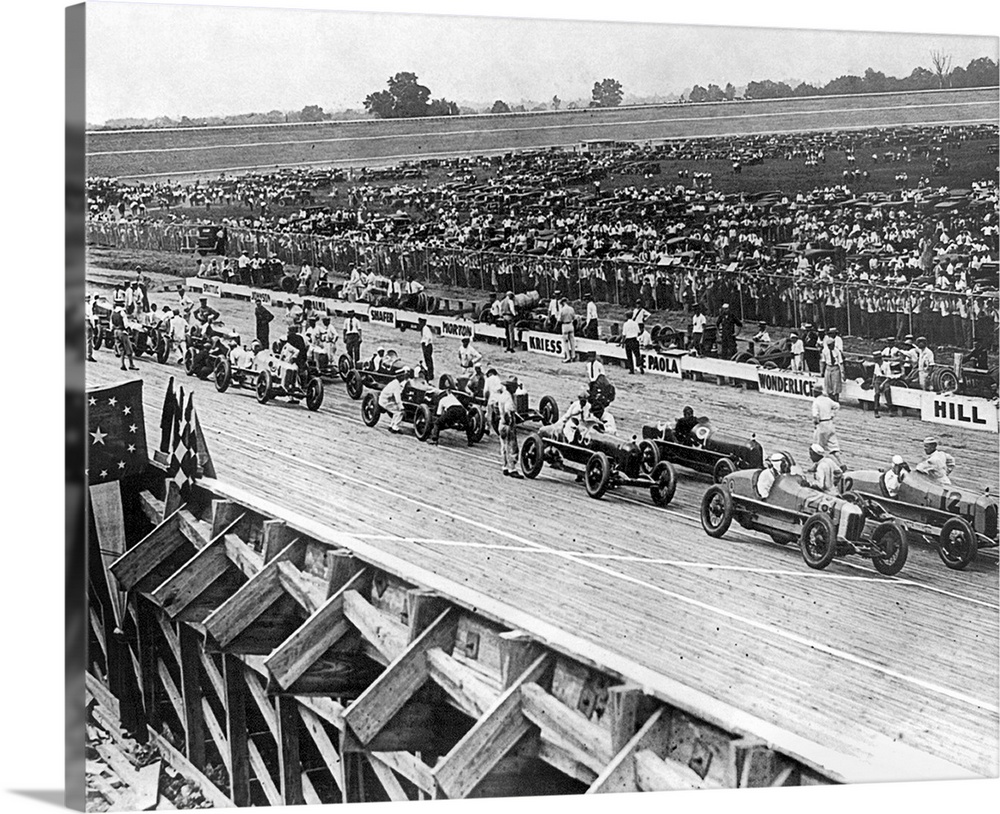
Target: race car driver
[(895, 475), (938, 465), (577, 412), (606, 421), (684, 425), (774, 466), (827, 470)]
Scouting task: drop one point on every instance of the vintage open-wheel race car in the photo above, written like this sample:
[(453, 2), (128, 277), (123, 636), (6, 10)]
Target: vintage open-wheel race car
[(958, 521), (825, 526), (711, 453), (420, 404), (365, 376), (547, 412), (600, 460), (269, 376), (203, 353)]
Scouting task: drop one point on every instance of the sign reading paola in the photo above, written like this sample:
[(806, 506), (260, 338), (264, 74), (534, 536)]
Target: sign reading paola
[(546, 344), (384, 316), (792, 385), (959, 411), (662, 365), (457, 328)]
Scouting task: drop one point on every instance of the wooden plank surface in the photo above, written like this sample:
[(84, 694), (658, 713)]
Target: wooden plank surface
[(900, 673)]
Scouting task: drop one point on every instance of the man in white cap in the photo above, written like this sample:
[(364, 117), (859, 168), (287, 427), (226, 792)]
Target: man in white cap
[(925, 362), (938, 464), (468, 356), (390, 398), (827, 470), (831, 360), (824, 409), (895, 474)]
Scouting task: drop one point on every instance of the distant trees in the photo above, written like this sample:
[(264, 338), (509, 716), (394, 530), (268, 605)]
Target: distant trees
[(942, 67), (406, 98), (607, 93), (311, 113), (499, 106)]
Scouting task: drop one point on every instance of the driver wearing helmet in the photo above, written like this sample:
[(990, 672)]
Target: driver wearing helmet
[(895, 475), (774, 466)]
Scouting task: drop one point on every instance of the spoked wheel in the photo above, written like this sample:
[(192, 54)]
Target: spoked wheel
[(163, 350), (666, 483), (423, 422), (314, 393), (650, 455), (344, 365), (354, 384), (223, 374), (475, 424), (947, 382), (723, 467), (597, 475), (370, 411), (264, 386), (531, 456), (446, 382), (957, 544), (188, 361), (818, 540), (97, 339), (890, 541), (548, 409), (716, 511)]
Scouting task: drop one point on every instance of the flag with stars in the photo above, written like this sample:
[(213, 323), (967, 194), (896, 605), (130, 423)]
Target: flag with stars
[(116, 432)]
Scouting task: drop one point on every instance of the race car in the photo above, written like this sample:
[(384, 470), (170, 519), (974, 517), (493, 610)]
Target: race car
[(547, 412), (420, 404), (268, 376), (826, 526), (602, 461), (367, 376), (204, 351), (959, 521), (712, 452)]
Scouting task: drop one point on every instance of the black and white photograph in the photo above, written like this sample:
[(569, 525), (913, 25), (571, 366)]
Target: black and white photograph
[(482, 406)]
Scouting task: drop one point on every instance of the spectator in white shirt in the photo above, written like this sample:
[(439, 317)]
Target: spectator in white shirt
[(798, 350), (925, 362), (592, 329), (698, 322), (630, 339), (427, 346)]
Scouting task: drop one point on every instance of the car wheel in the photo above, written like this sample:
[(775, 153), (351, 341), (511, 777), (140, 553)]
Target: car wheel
[(723, 467), (548, 409), (666, 483), (354, 385), (423, 422), (957, 544), (223, 375), (446, 382), (890, 540), (370, 411), (745, 358), (947, 382), (531, 456), (818, 540), (314, 393), (163, 350), (475, 424), (264, 386), (96, 339), (716, 511), (650, 455), (188, 361), (597, 475), (344, 366)]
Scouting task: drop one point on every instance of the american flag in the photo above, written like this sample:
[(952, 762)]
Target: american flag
[(116, 442)]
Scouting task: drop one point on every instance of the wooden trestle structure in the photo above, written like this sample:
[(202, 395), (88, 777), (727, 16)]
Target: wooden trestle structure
[(280, 669)]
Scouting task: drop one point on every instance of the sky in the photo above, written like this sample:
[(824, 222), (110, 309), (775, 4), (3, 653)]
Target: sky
[(147, 60)]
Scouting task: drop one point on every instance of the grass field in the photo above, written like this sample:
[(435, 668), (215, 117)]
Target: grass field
[(209, 151)]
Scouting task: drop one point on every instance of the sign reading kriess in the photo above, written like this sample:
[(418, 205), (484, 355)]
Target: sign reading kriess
[(385, 316), (785, 384), (547, 344), (662, 365), (457, 328), (959, 411)]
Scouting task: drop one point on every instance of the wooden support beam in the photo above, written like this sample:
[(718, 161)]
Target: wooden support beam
[(194, 721), (176, 759), (172, 502), (263, 775), (463, 685), (289, 761), (304, 588), (197, 531), (245, 558), (275, 536), (234, 676), (169, 634), (652, 773), (565, 761), (215, 730), (342, 565), (517, 651), (493, 735), (173, 694), (238, 612), (182, 587), (586, 742), (151, 506), (153, 550), (147, 656), (309, 791), (214, 676), (409, 766), (326, 708), (313, 638), (422, 608), (386, 636), (224, 513), (263, 704), (388, 780), (404, 676), (314, 726), (619, 775), (98, 627), (623, 707)]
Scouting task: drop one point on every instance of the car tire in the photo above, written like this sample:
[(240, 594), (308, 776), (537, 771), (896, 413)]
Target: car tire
[(475, 424), (531, 456), (446, 382), (314, 393), (163, 350), (665, 477), (947, 381), (650, 455), (188, 361), (723, 467), (548, 409), (370, 411), (890, 537), (716, 511), (264, 386), (423, 422), (223, 375), (355, 387), (597, 475), (818, 540), (957, 544), (344, 366)]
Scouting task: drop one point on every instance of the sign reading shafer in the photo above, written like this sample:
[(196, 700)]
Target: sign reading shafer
[(786, 384), (546, 344), (384, 316), (959, 411)]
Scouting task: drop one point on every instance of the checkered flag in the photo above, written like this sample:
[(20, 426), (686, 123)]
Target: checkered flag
[(183, 458)]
